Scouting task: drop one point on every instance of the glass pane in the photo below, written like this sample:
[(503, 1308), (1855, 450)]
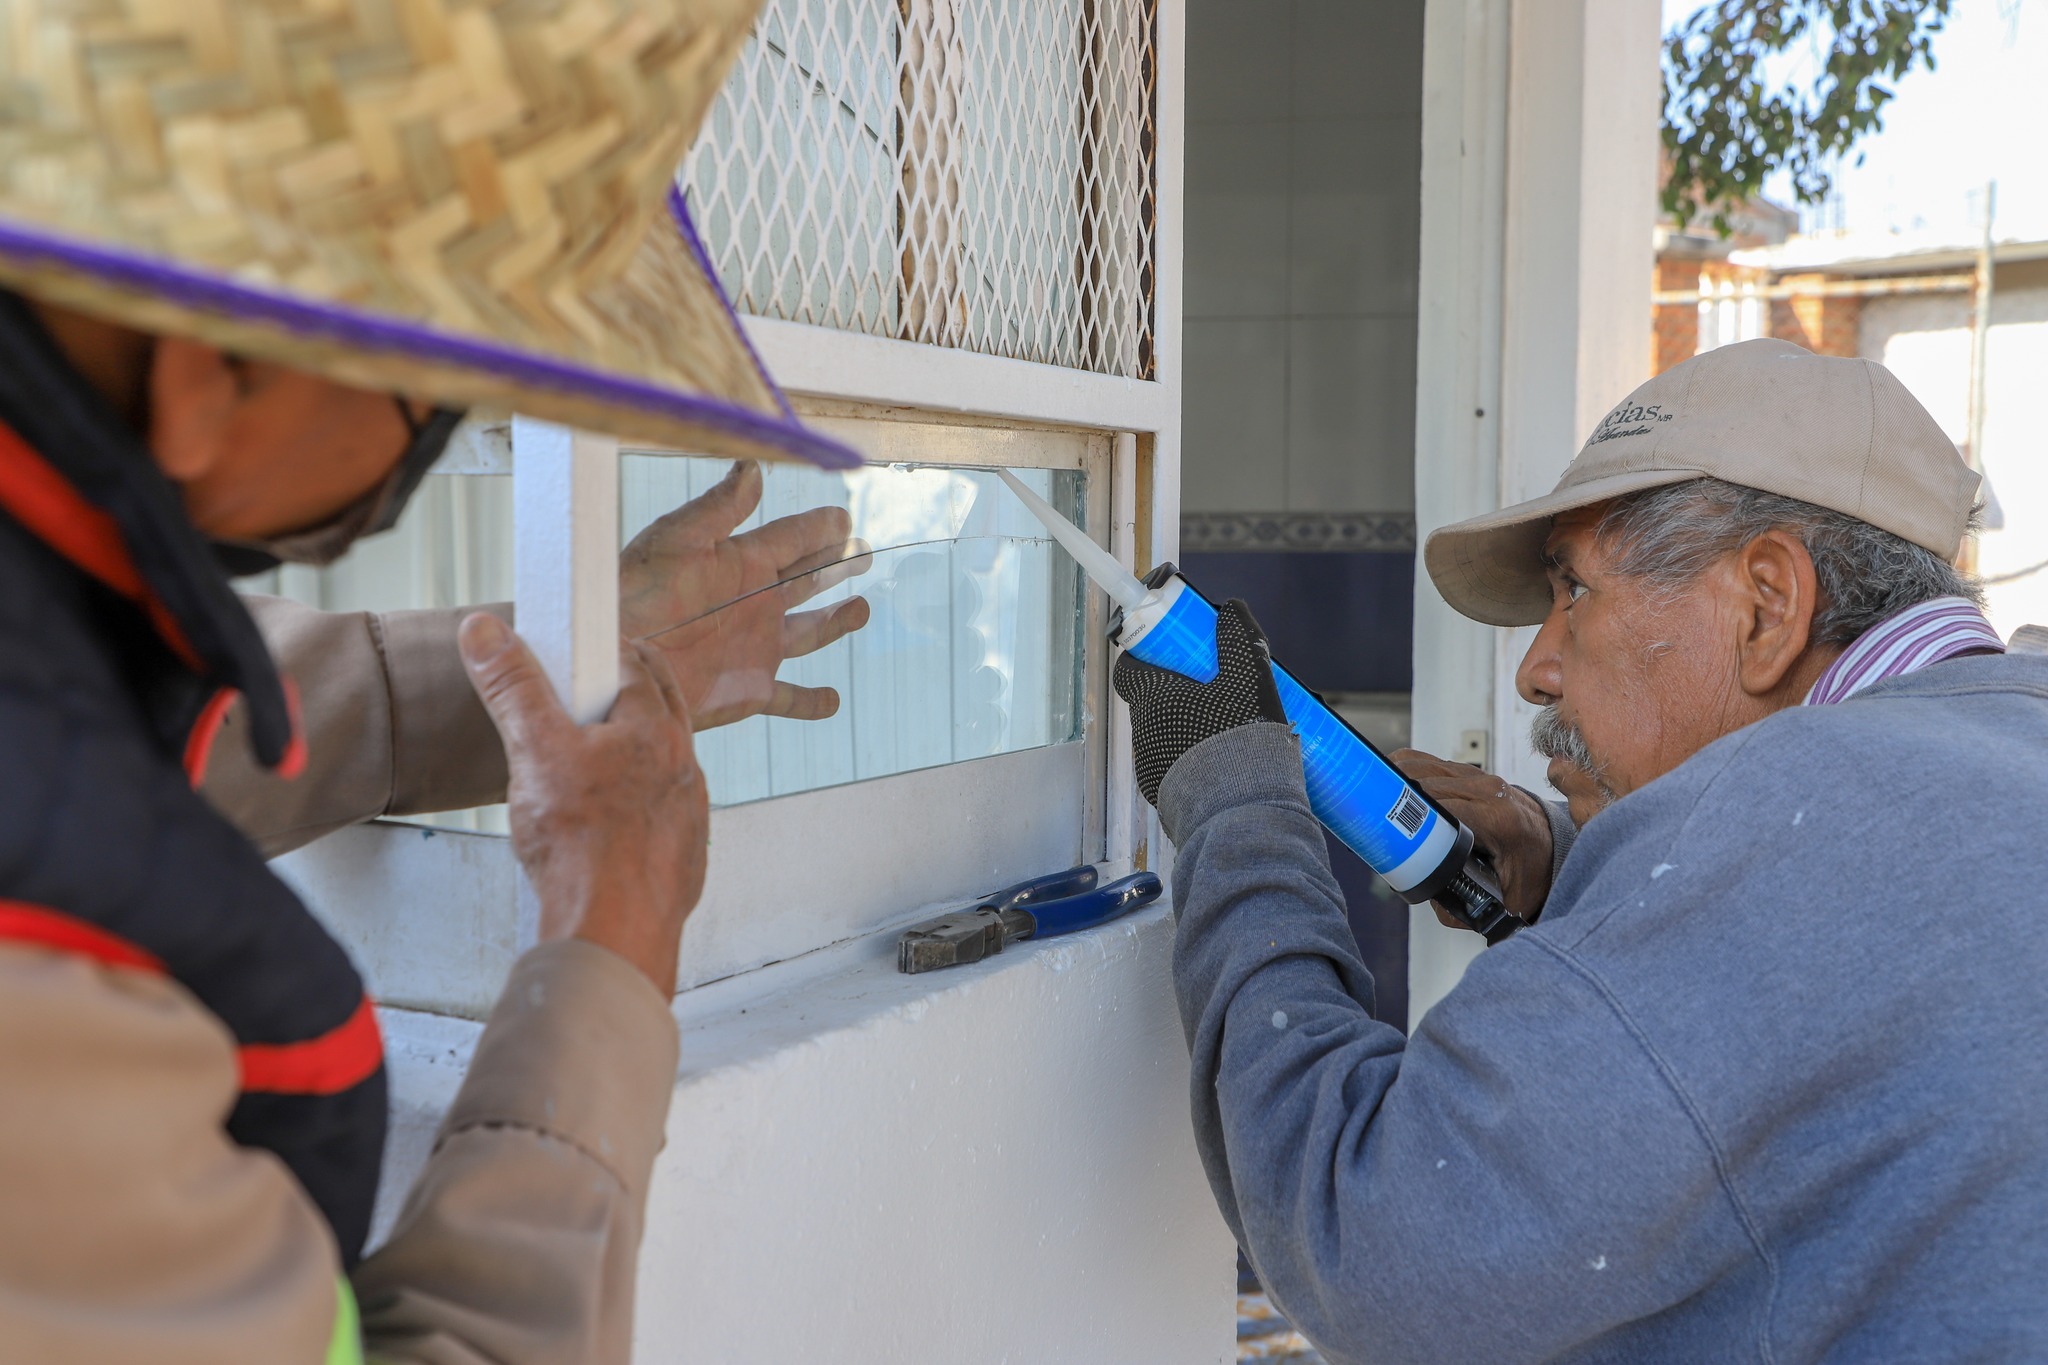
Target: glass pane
[(974, 645)]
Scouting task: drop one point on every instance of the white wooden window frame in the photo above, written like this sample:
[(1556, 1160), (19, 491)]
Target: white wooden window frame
[(793, 873), (428, 910), (802, 871)]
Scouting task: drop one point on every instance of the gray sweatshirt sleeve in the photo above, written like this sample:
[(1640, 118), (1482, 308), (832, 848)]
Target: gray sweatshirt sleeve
[(1562, 831), (1516, 1179)]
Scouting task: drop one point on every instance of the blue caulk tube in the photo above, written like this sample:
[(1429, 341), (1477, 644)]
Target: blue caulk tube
[(1418, 847)]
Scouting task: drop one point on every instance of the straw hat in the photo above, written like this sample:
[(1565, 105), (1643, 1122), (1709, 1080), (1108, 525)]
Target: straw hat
[(470, 202)]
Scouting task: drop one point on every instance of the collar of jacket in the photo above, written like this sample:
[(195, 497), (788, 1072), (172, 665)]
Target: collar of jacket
[(80, 479)]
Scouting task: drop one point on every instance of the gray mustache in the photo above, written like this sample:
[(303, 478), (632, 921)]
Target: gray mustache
[(1555, 737)]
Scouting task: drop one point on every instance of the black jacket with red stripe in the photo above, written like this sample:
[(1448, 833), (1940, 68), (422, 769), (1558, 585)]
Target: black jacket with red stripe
[(114, 646)]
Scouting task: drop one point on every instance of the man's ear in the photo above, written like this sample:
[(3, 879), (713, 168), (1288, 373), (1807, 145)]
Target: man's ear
[(193, 395), (1778, 587)]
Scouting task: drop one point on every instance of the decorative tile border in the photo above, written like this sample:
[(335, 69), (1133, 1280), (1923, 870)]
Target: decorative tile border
[(1300, 532)]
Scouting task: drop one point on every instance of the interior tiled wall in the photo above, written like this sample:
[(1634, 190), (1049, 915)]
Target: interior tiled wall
[(1304, 167), (1304, 188)]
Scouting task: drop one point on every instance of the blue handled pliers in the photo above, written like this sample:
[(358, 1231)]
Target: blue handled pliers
[(1058, 903)]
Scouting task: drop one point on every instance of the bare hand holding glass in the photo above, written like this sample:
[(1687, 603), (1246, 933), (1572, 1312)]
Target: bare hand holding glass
[(677, 576), (610, 820)]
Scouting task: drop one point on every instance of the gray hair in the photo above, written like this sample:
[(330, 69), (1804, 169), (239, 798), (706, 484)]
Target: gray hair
[(1669, 535)]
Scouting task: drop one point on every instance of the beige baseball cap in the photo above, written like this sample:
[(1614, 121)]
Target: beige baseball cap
[(1841, 434)]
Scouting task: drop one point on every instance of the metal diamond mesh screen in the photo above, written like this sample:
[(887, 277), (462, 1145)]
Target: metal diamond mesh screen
[(976, 174)]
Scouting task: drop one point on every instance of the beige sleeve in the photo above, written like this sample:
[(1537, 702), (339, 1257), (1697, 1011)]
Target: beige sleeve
[(519, 1241), (392, 726), (131, 1228)]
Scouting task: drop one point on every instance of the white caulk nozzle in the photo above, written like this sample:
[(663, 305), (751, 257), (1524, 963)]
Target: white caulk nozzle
[(1125, 588)]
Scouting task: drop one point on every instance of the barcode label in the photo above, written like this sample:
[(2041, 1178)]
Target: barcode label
[(1408, 813)]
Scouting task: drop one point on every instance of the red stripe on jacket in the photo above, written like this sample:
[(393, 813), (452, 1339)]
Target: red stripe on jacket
[(40, 498), (337, 1060), (37, 496), (205, 730), (21, 922)]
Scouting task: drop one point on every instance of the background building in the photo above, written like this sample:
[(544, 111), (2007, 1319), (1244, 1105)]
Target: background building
[(1706, 294), (1910, 301)]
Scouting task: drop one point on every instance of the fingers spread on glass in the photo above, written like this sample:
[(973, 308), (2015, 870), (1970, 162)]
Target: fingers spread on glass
[(788, 541), (826, 628), (806, 632), (802, 703), (823, 570), (714, 514)]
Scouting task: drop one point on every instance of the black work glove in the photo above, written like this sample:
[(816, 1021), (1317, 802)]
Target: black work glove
[(1171, 714)]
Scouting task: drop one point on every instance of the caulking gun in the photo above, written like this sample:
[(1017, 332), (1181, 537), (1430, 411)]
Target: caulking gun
[(1417, 846)]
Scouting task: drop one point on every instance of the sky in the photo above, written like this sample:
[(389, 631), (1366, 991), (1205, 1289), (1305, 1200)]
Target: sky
[(1982, 113)]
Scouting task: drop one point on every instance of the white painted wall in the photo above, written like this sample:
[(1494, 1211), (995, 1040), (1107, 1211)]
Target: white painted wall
[(1925, 340), (991, 1164), (1536, 263)]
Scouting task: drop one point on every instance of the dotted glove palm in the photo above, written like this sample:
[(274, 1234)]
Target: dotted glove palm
[(1171, 713)]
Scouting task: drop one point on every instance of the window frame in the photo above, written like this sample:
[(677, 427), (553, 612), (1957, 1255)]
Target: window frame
[(877, 862)]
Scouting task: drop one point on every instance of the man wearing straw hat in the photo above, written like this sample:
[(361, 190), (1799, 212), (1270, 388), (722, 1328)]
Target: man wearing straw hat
[(1767, 1076), (258, 257)]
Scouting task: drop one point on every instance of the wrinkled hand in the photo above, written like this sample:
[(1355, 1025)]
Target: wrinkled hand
[(1507, 825), (689, 561), (610, 820)]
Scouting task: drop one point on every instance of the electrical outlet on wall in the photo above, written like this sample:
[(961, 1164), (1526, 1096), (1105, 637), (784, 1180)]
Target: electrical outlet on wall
[(1472, 747)]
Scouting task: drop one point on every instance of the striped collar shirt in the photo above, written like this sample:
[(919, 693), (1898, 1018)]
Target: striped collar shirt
[(1914, 638)]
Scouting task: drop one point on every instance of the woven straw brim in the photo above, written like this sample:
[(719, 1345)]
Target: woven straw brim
[(716, 398), (1490, 568), (470, 204)]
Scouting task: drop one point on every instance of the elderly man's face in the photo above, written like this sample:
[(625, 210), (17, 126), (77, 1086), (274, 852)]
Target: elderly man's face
[(1639, 680)]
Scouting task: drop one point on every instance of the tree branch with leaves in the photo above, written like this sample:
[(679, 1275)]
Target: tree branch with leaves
[(1735, 112)]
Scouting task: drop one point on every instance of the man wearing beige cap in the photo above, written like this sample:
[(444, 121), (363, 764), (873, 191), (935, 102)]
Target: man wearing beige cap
[(1765, 1077)]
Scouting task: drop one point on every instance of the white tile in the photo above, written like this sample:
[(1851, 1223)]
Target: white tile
[(1234, 415), (1356, 57), (1351, 415), (1236, 241), (1355, 219), (1237, 62)]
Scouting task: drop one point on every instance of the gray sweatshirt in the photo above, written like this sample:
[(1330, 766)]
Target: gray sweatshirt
[(1768, 1081)]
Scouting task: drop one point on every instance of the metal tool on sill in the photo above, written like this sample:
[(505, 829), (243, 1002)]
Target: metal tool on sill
[(1044, 907)]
